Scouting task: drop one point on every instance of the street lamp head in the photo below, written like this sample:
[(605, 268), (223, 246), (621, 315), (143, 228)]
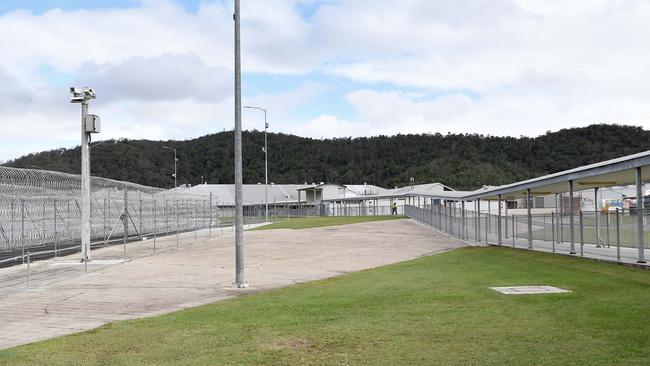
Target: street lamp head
[(254, 107)]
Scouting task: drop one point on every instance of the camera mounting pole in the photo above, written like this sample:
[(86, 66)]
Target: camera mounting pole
[(89, 124)]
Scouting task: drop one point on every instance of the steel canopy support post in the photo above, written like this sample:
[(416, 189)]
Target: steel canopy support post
[(499, 221), (530, 219), (639, 214), (239, 207), (572, 229)]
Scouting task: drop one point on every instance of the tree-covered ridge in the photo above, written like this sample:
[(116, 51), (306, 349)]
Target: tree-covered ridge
[(462, 161)]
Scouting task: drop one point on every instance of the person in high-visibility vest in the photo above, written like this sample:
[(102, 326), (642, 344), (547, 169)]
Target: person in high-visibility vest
[(394, 211)]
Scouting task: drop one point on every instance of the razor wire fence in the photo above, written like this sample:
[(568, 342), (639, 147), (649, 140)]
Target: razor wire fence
[(42, 209)]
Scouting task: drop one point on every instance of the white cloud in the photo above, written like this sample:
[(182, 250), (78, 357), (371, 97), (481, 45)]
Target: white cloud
[(164, 77), (163, 72)]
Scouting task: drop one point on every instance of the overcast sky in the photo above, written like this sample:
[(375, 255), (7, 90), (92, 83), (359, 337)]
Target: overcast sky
[(163, 69)]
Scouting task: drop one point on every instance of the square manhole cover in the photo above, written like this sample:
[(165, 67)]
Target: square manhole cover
[(529, 290)]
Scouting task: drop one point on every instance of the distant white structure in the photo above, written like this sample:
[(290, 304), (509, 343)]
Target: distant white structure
[(311, 194)]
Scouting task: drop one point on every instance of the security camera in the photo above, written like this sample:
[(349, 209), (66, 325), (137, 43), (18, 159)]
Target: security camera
[(89, 92), (76, 95)]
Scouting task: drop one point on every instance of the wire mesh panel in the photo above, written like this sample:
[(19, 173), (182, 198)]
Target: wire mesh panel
[(619, 234), (41, 209)]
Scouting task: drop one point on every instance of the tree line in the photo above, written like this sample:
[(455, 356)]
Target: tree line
[(461, 161)]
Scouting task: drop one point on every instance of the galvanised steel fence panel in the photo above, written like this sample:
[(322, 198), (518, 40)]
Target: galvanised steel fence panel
[(40, 209), (607, 234)]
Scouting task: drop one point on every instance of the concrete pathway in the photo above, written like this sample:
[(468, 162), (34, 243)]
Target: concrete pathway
[(63, 300)]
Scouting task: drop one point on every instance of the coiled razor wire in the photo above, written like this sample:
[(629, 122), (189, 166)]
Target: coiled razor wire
[(40, 207)]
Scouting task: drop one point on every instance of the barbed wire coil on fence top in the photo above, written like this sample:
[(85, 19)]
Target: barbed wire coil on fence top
[(41, 207)]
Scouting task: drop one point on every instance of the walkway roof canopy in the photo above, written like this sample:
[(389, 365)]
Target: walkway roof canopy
[(615, 172)]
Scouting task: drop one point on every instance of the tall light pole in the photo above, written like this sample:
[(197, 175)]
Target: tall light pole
[(175, 160), (89, 124), (266, 163), (239, 203)]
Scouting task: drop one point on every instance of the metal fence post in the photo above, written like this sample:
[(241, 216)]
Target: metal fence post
[(505, 219), (451, 219), (530, 218), (56, 234), (487, 226), (560, 218), (572, 228), (487, 220), (29, 261), (462, 214), (210, 214), (596, 209), (104, 222), (513, 230), (140, 212), (607, 224), (478, 220), (155, 224), (166, 216), (203, 214), (582, 235), (553, 229), (22, 227), (176, 210), (195, 219), (125, 223), (618, 237)]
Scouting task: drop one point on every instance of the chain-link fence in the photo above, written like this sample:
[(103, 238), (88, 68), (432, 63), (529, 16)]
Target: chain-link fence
[(42, 210)]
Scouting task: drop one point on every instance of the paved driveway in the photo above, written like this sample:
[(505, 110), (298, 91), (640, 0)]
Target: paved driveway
[(64, 300)]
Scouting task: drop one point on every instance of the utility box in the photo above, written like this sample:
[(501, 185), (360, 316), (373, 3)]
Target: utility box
[(93, 123)]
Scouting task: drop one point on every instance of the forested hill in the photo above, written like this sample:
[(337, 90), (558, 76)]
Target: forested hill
[(460, 161)]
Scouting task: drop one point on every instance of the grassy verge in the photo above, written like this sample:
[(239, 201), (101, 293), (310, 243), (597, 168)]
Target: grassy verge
[(436, 310), (311, 222)]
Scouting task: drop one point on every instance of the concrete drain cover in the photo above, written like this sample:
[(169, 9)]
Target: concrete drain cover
[(529, 290)]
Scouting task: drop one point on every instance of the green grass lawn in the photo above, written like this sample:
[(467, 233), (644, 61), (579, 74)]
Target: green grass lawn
[(435, 310), (318, 221)]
